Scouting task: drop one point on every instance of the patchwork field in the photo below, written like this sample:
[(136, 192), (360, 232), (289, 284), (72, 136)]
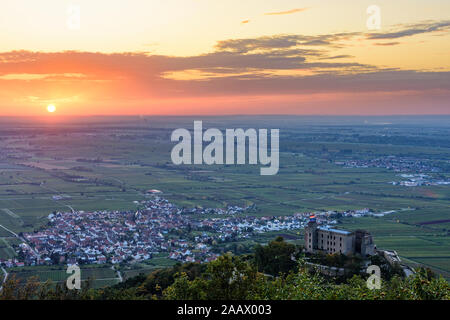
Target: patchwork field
[(107, 165)]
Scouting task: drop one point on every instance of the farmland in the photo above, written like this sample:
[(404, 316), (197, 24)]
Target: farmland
[(99, 276), (106, 164)]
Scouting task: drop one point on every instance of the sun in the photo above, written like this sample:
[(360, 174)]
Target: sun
[(51, 108)]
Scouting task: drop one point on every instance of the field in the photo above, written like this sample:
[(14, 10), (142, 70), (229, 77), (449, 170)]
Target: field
[(427, 246), (6, 250), (158, 261), (100, 276), (107, 164)]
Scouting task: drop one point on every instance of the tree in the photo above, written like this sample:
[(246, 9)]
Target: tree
[(227, 278), (278, 256), (236, 277)]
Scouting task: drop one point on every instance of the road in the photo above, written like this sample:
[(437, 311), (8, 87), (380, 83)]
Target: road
[(4, 279), (119, 275), (10, 231), (21, 239)]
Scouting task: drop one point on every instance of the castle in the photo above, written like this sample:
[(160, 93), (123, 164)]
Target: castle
[(333, 241)]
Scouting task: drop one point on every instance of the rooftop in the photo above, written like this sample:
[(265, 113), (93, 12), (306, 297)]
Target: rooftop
[(335, 230)]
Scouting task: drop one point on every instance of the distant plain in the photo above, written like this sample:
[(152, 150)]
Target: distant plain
[(107, 163)]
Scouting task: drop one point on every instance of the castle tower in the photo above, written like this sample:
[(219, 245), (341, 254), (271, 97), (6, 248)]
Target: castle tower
[(311, 234)]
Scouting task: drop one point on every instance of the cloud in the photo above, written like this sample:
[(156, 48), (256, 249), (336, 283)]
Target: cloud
[(286, 12), (342, 56), (281, 65), (414, 29), (141, 74), (285, 66), (246, 45), (386, 43), (282, 42)]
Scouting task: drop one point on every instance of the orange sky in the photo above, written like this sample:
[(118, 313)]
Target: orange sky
[(223, 57)]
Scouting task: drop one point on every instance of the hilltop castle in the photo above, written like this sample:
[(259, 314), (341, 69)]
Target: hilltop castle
[(333, 241)]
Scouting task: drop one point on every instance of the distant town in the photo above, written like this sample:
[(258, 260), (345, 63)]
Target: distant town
[(412, 172)]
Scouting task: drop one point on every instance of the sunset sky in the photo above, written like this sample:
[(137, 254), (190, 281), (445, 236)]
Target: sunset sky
[(223, 57)]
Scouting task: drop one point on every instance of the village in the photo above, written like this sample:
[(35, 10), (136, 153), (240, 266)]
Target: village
[(158, 226), (397, 164), (412, 172)]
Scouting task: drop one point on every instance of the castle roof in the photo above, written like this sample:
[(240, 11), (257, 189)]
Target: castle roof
[(344, 232)]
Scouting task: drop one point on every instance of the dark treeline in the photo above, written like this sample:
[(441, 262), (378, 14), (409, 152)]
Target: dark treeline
[(277, 271)]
